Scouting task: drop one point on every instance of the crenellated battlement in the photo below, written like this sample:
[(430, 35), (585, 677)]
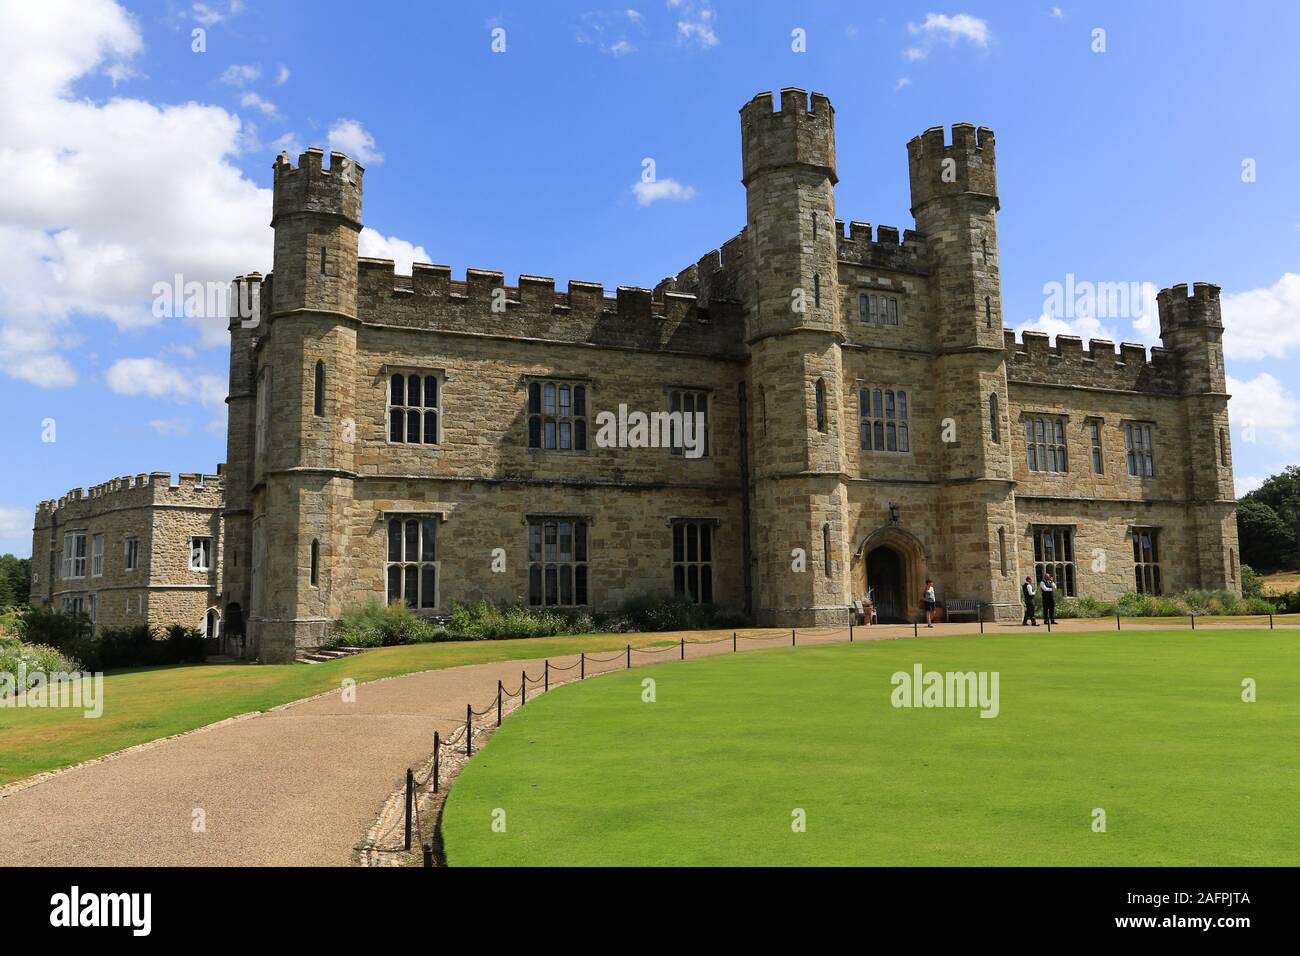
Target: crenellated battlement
[(966, 165), (311, 188), (153, 488), (1178, 310), (483, 303), (885, 251), (801, 133), (1036, 359)]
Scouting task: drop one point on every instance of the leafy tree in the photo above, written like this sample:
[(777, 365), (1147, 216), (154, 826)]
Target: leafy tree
[(1267, 542), (15, 580)]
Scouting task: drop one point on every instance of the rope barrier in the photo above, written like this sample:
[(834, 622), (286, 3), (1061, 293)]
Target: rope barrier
[(650, 650), (557, 667)]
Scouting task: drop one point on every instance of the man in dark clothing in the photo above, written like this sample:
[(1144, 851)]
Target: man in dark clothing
[(1029, 593), (1048, 584)]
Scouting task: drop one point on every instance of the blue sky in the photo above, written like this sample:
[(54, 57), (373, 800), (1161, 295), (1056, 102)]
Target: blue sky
[(129, 157)]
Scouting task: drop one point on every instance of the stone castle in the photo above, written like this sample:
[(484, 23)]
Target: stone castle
[(868, 422), (134, 550)]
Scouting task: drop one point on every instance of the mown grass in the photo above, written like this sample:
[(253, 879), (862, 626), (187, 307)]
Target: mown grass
[(1149, 727), (143, 705)]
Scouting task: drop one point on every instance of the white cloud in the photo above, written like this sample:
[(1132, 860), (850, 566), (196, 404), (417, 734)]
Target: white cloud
[(652, 192), (288, 143), (156, 379), (211, 14), (373, 244), (610, 33), (1056, 12), (170, 426), (949, 30), (695, 23), (1262, 323), (1086, 327), (239, 74), (1246, 484), (251, 100), (16, 522), (902, 82), (102, 200), (281, 75), (349, 136), (1264, 410)]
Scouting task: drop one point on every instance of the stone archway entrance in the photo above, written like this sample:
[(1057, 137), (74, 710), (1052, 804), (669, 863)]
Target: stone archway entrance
[(889, 566)]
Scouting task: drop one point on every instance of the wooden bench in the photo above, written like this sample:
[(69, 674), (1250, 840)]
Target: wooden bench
[(962, 606)]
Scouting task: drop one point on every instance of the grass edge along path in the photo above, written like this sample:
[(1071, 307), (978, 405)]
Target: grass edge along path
[(150, 704)]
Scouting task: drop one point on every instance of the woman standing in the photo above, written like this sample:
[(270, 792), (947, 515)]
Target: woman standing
[(928, 601)]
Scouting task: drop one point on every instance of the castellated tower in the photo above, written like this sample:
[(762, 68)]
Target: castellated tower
[(793, 330), (1192, 328), (302, 457), (955, 203), (246, 316)]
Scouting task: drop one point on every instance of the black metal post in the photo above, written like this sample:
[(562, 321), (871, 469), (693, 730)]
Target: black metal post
[(850, 632), (523, 687), (629, 657), (1193, 617), (437, 758), (410, 792), (1049, 627), (914, 629), (792, 637), (428, 855), (980, 615), (733, 638), (683, 657), (1270, 620), (469, 731), (500, 692), (1117, 627), (546, 675), (582, 667)]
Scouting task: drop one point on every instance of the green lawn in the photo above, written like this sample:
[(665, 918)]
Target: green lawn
[(1149, 727), (144, 705)]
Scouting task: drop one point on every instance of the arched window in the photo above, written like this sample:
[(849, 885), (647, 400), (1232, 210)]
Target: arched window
[(988, 312), (315, 562), (817, 290), (984, 248), (319, 408), (826, 549), (821, 405), (993, 419)]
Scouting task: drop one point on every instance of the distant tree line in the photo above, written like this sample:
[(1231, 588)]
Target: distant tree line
[(1268, 523), (15, 580)]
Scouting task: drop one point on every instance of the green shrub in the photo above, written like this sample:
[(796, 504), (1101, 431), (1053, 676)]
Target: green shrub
[(494, 622), (1252, 585), (663, 612), (378, 625), (16, 654), (1084, 607), (1255, 605)]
